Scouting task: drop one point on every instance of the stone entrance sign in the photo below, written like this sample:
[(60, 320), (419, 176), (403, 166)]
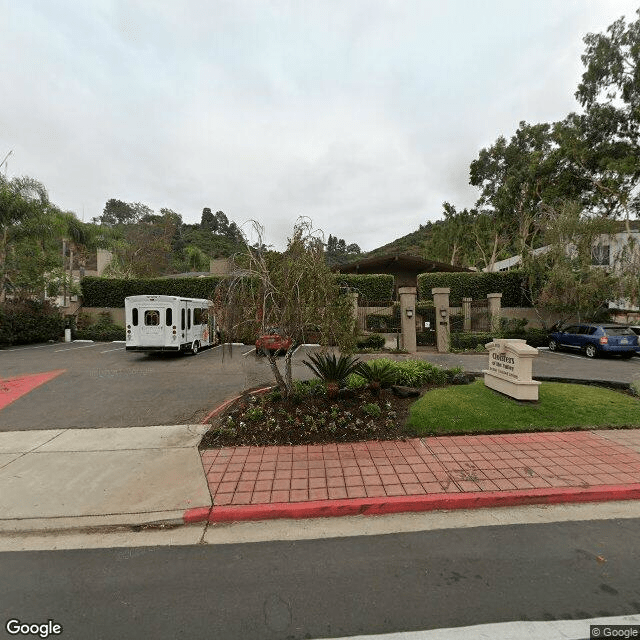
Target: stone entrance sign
[(509, 371)]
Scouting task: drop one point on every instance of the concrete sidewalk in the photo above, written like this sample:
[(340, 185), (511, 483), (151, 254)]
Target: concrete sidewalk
[(143, 476), (83, 478)]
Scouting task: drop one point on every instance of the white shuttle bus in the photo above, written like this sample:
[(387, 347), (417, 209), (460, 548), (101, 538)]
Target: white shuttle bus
[(169, 323)]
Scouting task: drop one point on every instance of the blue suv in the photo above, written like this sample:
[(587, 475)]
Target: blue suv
[(595, 339)]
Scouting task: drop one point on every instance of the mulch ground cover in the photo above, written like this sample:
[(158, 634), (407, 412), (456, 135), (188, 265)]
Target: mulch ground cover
[(261, 420)]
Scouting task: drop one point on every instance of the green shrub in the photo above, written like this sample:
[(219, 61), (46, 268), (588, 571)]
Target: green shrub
[(372, 341), (28, 322), (426, 338), (467, 341), (377, 286), (476, 285), (104, 330), (536, 337), (372, 409), (379, 374), (331, 370), (355, 381)]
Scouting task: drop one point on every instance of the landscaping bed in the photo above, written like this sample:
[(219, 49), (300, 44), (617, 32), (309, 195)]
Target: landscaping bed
[(442, 409), (267, 420)]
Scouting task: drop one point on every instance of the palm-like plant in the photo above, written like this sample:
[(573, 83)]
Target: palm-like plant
[(331, 370), (379, 374)]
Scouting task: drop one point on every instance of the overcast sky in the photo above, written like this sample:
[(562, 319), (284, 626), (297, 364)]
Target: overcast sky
[(361, 114)]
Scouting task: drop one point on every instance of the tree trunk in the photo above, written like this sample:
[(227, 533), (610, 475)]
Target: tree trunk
[(277, 375)]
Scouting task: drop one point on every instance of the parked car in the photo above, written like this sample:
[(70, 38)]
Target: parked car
[(595, 339), (272, 342), (636, 330)]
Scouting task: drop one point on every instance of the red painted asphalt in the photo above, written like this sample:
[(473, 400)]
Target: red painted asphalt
[(249, 483), (13, 388)]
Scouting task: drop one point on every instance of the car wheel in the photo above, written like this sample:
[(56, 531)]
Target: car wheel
[(195, 347), (553, 345), (590, 351)]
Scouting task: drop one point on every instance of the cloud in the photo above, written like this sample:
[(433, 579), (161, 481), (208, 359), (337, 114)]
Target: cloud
[(362, 115)]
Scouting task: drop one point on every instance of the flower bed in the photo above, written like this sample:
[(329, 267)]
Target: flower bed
[(309, 418)]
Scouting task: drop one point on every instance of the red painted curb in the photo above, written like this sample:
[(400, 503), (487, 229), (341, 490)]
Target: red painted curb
[(399, 504), (226, 403), (199, 514)]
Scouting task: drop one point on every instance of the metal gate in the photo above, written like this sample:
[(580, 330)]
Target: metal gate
[(378, 316), (480, 315)]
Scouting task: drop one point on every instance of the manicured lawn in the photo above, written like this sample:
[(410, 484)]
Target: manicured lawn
[(476, 409)]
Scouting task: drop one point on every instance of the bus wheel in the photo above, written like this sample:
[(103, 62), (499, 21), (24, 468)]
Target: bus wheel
[(195, 347)]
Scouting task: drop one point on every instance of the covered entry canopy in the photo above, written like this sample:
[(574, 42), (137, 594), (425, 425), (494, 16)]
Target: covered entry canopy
[(403, 267)]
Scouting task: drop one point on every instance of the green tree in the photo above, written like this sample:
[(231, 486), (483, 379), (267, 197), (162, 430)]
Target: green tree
[(563, 279)]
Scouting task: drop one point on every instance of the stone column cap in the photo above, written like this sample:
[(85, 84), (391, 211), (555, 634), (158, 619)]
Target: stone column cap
[(515, 345), (406, 290), (494, 295), (438, 290)]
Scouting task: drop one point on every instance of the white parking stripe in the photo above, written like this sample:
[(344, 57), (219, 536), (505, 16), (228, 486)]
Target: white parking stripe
[(85, 346), (40, 346)]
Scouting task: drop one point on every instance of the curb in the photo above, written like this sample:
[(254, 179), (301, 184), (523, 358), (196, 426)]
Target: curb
[(226, 403), (404, 504)]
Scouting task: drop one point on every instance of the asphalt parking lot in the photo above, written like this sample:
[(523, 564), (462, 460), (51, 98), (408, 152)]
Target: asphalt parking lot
[(102, 385), (99, 384)]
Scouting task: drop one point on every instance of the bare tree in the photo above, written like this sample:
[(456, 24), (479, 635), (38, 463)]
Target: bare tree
[(294, 292)]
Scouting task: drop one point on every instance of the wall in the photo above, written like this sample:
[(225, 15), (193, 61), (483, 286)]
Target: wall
[(117, 314)]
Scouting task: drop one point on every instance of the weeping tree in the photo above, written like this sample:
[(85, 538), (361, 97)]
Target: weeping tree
[(293, 292), (568, 277)]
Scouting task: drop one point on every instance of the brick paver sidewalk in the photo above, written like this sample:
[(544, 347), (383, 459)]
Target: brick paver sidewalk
[(538, 464)]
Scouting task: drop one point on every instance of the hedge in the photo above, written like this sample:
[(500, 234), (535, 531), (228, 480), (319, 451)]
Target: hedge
[(373, 287), (467, 341), (111, 292), (476, 285), (28, 322), (373, 341)]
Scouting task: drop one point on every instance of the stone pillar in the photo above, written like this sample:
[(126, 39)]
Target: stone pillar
[(441, 305), (354, 306), (466, 312), (408, 317), (495, 304)]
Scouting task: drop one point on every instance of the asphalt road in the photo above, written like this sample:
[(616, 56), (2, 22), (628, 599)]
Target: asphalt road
[(332, 587), (105, 386), (559, 364)]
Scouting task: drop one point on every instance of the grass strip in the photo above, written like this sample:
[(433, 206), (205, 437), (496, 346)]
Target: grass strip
[(475, 408)]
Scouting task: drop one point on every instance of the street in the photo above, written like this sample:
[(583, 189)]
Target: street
[(332, 587)]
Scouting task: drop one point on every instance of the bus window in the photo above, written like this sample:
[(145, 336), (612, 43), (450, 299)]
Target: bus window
[(182, 319), (151, 318), (205, 316), (188, 318), (169, 317), (197, 316), (134, 317)]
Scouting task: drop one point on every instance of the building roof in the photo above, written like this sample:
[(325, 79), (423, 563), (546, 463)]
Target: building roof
[(391, 262)]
